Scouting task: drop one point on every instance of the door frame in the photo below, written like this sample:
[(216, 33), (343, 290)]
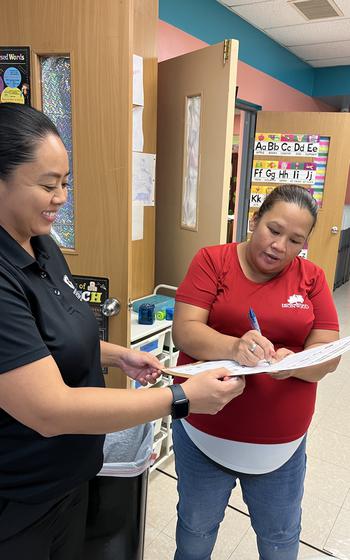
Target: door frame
[(247, 155)]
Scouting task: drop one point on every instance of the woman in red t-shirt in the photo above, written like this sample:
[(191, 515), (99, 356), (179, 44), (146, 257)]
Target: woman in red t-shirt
[(259, 437)]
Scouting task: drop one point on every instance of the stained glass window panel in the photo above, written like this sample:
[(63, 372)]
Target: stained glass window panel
[(57, 105)]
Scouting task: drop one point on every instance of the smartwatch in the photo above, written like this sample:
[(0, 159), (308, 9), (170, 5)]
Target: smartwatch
[(181, 405)]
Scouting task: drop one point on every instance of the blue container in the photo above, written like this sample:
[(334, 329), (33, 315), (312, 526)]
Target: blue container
[(169, 313), (160, 302), (146, 314)]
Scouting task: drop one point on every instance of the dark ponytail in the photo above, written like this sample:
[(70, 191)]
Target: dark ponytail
[(21, 129)]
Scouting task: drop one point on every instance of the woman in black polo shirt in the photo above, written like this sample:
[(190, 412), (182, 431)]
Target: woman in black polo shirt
[(54, 409)]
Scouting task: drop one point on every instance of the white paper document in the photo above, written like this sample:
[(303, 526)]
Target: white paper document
[(137, 96), (310, 357), (143, 177), (137, 132), (137, 220)]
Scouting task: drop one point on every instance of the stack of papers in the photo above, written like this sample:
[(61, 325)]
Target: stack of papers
[(306, 358)]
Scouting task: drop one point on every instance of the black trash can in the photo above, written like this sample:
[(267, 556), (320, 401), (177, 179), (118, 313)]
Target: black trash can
[(115, 528)]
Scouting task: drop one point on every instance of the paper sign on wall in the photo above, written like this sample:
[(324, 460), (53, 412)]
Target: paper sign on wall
[(15, 75), (137, 97), (143, 177), (137, 131), (137, 220)]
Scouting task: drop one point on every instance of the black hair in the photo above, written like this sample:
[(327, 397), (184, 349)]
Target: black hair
[(21, 129), (292, 194)]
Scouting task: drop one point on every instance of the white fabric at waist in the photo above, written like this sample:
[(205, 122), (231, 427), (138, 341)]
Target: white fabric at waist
[(249, 458)]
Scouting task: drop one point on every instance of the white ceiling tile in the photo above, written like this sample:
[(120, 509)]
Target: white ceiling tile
[(240, 2), (320, 43), (344, 6), (269, 14), (309, 33), (329, 62), (323, 50)]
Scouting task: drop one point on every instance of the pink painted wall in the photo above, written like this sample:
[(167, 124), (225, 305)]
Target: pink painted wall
[(273, 95), (174, 42), (254, 86)]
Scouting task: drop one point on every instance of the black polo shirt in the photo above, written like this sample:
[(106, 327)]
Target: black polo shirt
[(41, 315)]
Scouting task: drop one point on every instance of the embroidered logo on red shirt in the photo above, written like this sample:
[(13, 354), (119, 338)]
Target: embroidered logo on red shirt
[(296, 301)]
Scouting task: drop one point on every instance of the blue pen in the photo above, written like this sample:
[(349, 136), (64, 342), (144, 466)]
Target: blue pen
[(253, 321), (255, 325)]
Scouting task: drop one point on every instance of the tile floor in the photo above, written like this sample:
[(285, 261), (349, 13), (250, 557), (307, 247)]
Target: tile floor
[(326, 506)]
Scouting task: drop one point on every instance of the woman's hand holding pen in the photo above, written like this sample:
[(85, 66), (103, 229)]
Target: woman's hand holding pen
[(251, 348)]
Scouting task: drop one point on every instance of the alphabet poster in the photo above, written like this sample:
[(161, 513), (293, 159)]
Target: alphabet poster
[(304, 162), (283, 158), (15, 75)]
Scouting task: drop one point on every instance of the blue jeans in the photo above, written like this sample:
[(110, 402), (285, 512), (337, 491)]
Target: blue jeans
[(273, 501)]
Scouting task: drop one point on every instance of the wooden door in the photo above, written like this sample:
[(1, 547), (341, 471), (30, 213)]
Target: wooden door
[(323, 244), (99, 38), (210, 75)]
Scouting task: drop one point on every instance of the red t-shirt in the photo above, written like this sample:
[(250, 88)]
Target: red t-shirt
[(288, 307)]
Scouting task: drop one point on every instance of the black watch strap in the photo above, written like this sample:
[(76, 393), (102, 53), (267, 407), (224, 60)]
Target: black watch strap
[(180, 407)]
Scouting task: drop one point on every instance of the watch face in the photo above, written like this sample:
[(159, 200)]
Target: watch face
[(180, 406), (180, 409)]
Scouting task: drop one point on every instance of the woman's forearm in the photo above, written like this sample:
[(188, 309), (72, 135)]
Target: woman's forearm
[(313, 374), (90, 410), (200, 341), (36, 395), (111, 354)]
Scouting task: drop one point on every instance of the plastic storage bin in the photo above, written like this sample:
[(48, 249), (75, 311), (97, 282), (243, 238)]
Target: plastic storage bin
[(159, 301), (116, 518)]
